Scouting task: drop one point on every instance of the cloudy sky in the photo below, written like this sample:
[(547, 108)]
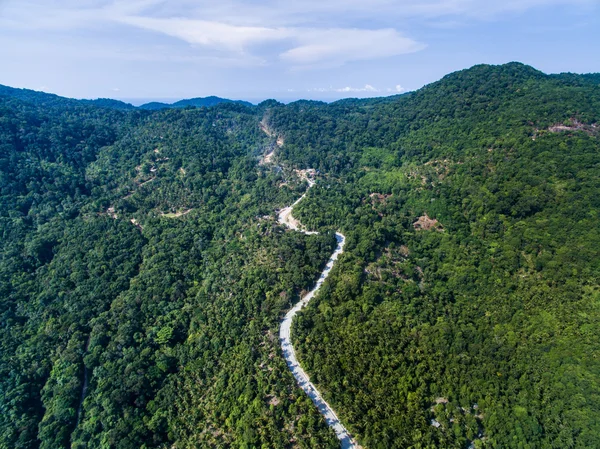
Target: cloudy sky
[(284, 49)]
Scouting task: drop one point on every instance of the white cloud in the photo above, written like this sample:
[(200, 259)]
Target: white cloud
[(367, 88), (219, 35), (337, 46), (397, 88), (301, 34), (302, 12), (268, 13), (347, 89), (307, 47)]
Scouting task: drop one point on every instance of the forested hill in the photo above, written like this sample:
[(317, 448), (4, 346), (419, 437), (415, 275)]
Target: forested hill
[(50, 100), (143, 274), (46, 100), (195, 102)]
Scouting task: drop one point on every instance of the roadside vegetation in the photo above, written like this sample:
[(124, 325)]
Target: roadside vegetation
[(140, 250)]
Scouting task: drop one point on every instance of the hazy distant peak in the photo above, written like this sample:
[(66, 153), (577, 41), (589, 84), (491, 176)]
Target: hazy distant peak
[(196, 102)]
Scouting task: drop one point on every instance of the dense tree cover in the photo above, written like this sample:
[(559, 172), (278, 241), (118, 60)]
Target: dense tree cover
[(127, 323), (51, 100), (194, 102), (143, 276), (497, 306)]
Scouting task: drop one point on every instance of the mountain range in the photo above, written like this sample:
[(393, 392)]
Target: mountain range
[(46, 99), (144, 274)]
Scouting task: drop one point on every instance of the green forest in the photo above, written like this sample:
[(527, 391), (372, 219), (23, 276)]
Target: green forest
[(143, 273)]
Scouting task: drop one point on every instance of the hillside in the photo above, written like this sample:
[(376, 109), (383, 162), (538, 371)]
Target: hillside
[(194, 102), (51, 100), (485, 324), (143, 274)]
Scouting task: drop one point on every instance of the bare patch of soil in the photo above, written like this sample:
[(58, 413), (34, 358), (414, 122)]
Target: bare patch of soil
[(274, 401), (111, 212), (571, 125), (146, 182), (267, 158), (264, 126), (424, 223), (378, 197), (309, 175), (574, 125), (176, 214), (136, 224)]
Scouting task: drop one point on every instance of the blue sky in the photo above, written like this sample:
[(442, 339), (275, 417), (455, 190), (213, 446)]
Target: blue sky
[(257, 49)]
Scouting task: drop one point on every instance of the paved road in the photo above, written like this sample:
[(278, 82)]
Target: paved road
[(286, 218)]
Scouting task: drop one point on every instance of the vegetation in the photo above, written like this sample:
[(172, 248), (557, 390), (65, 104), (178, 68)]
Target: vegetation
[(169, 322), (143, 275), (495, 307), (193, 102)]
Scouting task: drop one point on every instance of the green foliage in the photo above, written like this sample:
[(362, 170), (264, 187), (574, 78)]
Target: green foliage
[(497, 308), (160, 330), (143, 274)]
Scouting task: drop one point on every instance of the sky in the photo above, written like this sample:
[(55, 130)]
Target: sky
[(139, 50)]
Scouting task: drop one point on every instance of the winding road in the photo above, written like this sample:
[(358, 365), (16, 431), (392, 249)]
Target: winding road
[(285, 217)]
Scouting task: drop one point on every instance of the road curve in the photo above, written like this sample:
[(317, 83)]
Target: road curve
[(285, 217)]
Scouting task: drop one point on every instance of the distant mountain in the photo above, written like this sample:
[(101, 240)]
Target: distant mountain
[(52, 100), (35, 97), (110, 104), (195, 102), (155, 106), (142, 282)]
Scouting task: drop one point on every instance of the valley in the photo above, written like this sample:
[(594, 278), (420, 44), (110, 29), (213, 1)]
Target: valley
[(418, 270)]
